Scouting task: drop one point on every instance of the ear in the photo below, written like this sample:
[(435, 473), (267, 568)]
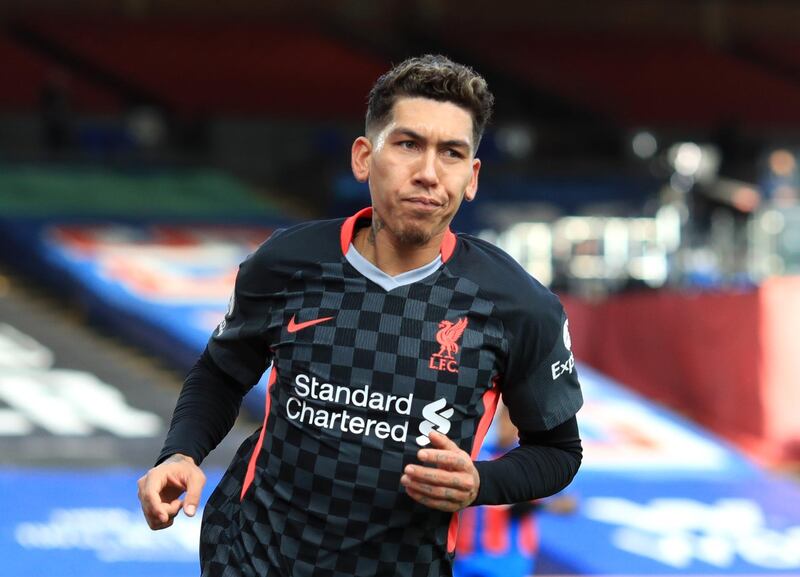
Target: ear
[(472, 187), (359, 158)]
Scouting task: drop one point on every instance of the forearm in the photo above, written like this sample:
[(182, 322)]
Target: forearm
[(206, 410), (543, 464)]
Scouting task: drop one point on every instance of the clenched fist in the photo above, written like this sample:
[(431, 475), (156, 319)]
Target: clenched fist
[(451, 481)]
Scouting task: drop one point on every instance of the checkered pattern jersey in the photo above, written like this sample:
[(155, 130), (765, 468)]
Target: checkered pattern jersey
[(316, 491)]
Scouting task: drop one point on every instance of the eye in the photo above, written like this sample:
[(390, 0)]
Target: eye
[(407, 144), (453, 153)]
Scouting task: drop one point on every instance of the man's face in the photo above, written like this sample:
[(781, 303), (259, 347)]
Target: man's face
[(420, 166)]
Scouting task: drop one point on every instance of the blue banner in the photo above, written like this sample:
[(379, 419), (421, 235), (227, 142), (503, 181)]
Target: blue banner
[(88, 524), (626, 525)]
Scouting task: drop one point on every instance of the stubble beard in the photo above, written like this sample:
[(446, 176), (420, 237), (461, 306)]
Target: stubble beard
[(407, 236)]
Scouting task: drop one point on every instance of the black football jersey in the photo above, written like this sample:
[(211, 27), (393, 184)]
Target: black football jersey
[(360, 376)]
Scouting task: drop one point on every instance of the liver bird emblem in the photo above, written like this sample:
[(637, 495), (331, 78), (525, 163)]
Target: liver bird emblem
[(448, 335)]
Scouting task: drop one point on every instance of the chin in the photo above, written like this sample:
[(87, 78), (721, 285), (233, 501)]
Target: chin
[(414, 236)]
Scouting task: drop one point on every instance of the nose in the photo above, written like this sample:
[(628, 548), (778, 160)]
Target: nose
[(427, 174)]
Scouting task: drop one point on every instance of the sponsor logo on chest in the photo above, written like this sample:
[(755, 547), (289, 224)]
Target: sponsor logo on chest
[(335, 407)]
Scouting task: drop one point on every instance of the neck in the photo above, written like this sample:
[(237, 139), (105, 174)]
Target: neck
[(393, 258)]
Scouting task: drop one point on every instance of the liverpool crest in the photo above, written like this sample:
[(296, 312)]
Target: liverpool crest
[(448, 336)]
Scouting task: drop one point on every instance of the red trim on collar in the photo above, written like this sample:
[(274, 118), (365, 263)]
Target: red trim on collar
[(349, 228), (448, 245)]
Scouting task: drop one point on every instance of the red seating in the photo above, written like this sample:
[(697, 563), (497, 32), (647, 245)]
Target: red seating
[(643, 81), (233, 67), (784, 54), (25, 73), (291, 70)]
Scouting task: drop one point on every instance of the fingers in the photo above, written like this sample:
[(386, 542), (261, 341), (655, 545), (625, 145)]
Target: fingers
[(194, 488), (441, 441), (443, 490), (160, 490), (445, 459), (155, 512), (437, 483), (445, 454), (449, 483), (433, 502)]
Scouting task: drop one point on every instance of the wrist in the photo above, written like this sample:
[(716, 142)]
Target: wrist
[(483, 479), (179, 458)]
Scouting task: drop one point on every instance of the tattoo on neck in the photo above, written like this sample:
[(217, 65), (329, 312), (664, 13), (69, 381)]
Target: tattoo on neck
[(377, 225)]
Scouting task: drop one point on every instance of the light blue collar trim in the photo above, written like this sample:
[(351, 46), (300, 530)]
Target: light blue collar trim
[(385, 281)]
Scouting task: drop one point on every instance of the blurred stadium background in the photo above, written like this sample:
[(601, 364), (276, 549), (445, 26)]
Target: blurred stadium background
[(642, 163)]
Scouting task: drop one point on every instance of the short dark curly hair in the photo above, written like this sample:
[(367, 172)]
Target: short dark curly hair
[(436, 77)]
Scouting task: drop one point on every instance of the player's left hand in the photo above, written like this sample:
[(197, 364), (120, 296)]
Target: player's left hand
[(450, 481)]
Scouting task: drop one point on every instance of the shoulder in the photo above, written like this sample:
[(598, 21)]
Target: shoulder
[(532, 316), (314, 238), (313, 241), (291, 249), (498, 274)]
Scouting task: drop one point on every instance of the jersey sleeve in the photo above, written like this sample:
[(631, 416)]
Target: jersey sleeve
[(239, 345), (541, 387)]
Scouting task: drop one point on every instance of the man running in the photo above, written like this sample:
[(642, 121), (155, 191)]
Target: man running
[(391, 340)]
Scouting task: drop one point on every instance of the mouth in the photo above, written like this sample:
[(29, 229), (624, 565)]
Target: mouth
[(423, 202)]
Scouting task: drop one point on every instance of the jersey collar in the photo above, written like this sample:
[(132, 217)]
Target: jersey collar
[(349, 227)]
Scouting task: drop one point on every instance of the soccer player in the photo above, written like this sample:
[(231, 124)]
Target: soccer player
[(390, 339)]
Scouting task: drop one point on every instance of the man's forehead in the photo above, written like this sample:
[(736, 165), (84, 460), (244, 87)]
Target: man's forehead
[(431, 119)]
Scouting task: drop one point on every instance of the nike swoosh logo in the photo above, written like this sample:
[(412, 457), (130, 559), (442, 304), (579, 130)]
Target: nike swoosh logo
[(293, 327)]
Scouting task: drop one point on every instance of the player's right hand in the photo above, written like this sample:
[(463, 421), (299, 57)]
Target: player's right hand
[(161, 487)]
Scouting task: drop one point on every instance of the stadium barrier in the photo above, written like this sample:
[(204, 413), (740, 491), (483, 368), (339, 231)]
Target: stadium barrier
[(728, 360)]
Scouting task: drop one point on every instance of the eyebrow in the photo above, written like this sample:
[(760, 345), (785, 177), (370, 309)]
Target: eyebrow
[(455, 142)]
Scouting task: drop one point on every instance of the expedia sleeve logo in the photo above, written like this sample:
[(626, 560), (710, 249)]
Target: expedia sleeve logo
[(228, 314), (561, 367)]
